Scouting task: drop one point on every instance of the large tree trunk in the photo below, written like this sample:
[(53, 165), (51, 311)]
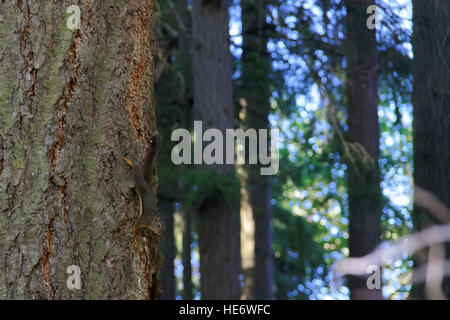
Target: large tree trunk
[(431, 101), (363, 130), (218, 225), (256, 224), (73, 104)]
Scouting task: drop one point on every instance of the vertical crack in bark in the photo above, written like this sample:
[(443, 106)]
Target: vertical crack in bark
[(29, 73), (45, 260), (134, 96), (60, 111), (90, 15), (2, 157), (44, 263)]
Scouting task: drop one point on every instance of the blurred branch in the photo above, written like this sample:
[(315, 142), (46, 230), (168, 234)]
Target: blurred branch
[(430, 202), (406, 245), (435, 272), (409, 244), (420, 274)]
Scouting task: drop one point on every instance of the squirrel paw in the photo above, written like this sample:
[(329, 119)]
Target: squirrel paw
[(129, 162)]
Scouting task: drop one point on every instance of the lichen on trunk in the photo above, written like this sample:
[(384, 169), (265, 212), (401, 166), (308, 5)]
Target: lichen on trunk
[(73, 104)]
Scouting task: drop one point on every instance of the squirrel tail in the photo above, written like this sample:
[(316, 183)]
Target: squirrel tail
[(152, 155)]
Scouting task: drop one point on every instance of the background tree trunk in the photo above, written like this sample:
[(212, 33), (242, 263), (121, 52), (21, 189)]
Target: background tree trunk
[(188, 293), (363, 170), (72, 106), (185, 49), (256, 224), (431, 101), (174, 101), (218, 225), (166, 209)]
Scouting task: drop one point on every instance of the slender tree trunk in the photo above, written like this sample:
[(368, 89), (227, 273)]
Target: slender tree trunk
[(166, 209), (186, 69), (218, 225), (188, 293), (185, 49), (73, 104), (363, 131), (431, 101), (247, 237), (256, 224)]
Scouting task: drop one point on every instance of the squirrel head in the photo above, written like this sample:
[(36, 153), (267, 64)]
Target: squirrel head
[(156, 225)]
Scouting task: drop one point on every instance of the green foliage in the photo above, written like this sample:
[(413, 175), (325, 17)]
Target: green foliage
[(296, 253), (203, 185)]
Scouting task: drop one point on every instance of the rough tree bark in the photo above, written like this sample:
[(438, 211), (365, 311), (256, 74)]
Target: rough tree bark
[(256, 222), (218, 225), (363, 130), (73, 104), (431, 101)]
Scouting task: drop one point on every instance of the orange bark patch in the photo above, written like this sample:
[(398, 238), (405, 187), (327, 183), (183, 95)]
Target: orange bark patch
[(134, 99)]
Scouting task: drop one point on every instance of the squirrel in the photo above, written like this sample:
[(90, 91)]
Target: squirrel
[(148, 211)]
